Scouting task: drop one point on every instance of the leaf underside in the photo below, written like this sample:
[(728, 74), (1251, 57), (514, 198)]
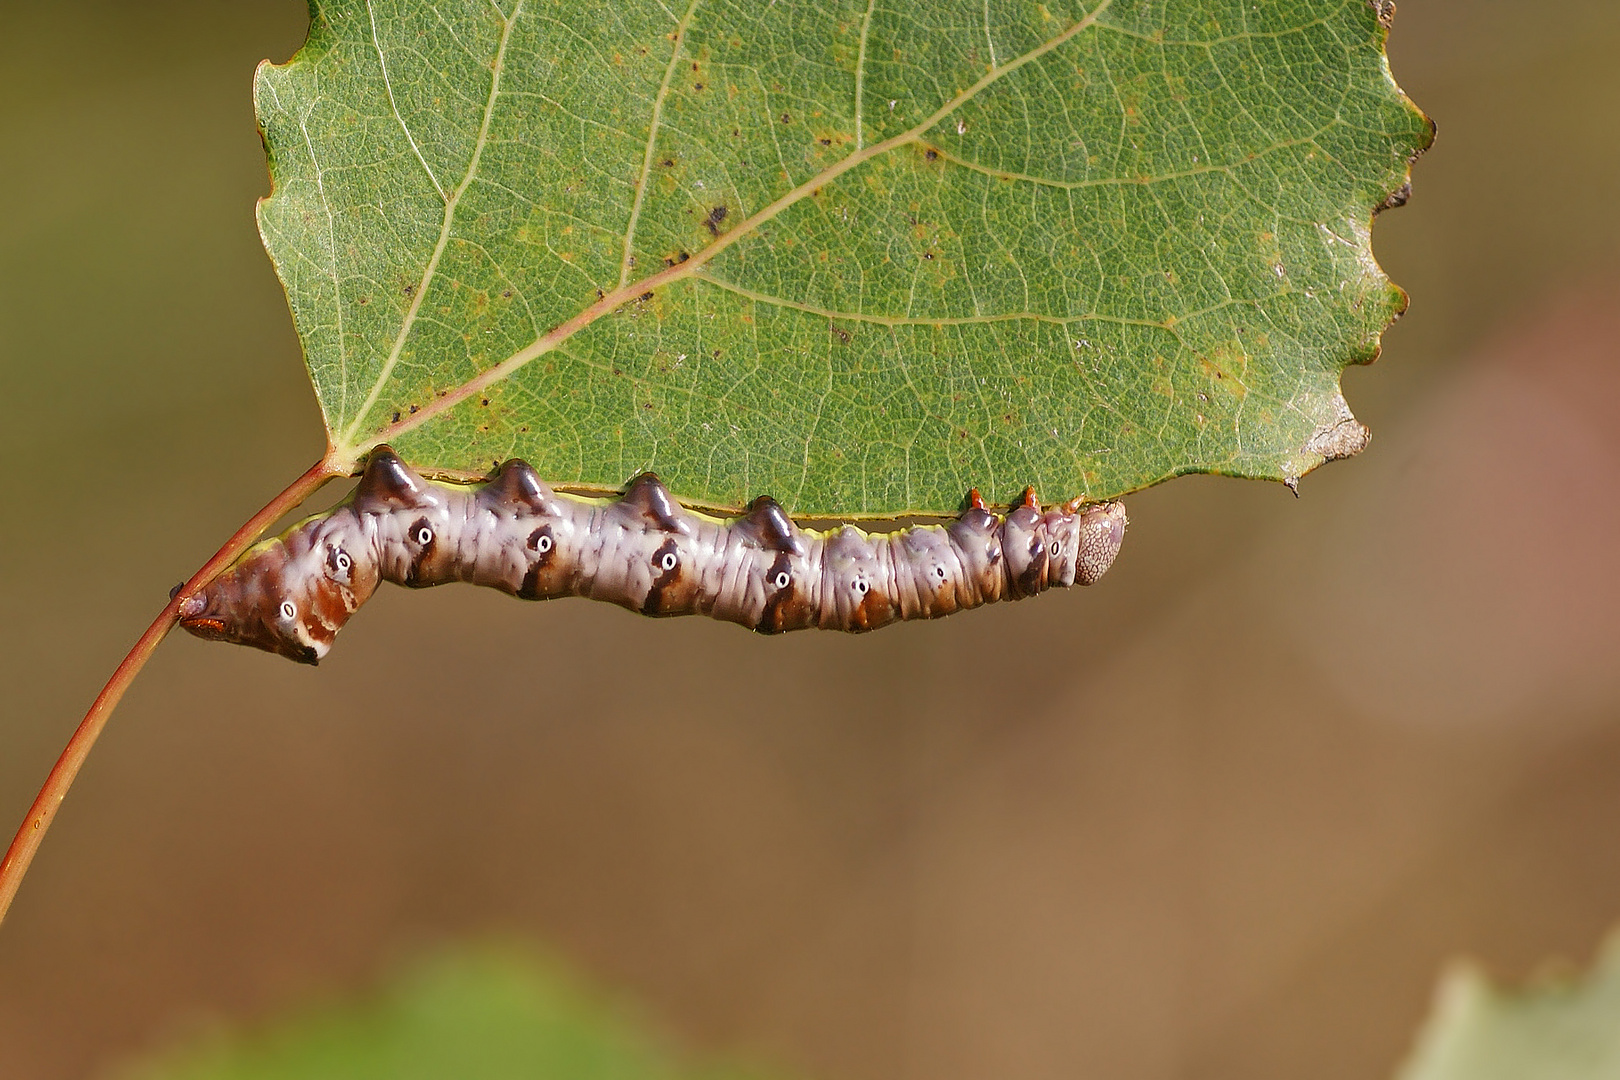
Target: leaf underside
[(860, 255)]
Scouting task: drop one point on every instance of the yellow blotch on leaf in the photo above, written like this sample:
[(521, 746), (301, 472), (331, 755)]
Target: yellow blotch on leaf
[(1227, 368)]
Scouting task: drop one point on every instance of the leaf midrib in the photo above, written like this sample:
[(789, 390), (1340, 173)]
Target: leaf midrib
[(347, 452)]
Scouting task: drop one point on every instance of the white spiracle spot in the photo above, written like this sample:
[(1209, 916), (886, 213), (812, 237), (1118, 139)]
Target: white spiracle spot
[(668, 561), (782, 579), (424, 536), (289, 610)]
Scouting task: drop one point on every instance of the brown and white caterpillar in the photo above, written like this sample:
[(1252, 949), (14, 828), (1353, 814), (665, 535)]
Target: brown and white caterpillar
[(291, 595)]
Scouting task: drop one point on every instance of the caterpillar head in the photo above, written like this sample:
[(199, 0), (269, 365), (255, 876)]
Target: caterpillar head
[(290, 595)]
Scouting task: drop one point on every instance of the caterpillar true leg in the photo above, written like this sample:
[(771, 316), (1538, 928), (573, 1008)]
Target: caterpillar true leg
[(643, 550)]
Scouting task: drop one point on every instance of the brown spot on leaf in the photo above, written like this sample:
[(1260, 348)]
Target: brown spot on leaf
[(716, 216), (1398, 197), (1225, 366)]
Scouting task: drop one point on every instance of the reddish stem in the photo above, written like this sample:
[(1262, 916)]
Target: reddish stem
[(50, 797)]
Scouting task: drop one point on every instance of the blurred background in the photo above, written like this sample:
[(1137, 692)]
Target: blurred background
[(1224, 816)]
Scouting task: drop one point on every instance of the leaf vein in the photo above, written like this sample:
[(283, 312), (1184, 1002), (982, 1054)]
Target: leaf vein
[(450, 204), (676, 48), (860, 76), (388, 84)]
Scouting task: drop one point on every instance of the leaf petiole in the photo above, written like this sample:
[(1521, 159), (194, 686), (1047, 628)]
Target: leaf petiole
[(32, 831)]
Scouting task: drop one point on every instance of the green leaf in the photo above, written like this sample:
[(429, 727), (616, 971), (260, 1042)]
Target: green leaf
[(474, 1015), (860, 255), (1564, 1030)]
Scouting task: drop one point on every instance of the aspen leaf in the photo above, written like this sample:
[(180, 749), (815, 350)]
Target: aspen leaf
[(858, 255)]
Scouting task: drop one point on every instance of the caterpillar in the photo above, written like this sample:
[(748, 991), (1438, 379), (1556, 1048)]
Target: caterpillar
[(292, 594)]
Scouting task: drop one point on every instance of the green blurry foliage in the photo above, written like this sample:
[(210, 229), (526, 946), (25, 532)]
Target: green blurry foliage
[(489, 1013), (858, 255), (1565, 1029)]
